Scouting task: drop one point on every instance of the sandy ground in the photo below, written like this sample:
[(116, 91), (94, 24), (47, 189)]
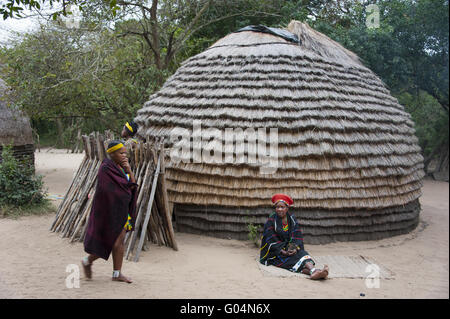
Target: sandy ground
[(33, 261)]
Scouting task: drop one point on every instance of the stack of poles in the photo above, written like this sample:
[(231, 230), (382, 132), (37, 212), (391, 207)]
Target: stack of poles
[(74, 210), (153, 209)]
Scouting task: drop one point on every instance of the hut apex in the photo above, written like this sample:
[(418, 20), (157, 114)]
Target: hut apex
[(346, 149), (322, 45)]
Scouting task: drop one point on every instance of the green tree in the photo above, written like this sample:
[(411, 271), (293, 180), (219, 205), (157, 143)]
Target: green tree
[(92, 80)]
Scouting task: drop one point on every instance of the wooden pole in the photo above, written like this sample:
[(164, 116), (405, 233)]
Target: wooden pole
[(83, 217), (149, 209), (165, 200), (73, 186), (79, 185), (142, 200)]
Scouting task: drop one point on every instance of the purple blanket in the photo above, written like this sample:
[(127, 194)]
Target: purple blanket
[(114, 200)]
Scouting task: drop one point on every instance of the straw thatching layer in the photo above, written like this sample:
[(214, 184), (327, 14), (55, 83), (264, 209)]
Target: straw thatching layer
[(319, 226), (15, 129), (343, 142)]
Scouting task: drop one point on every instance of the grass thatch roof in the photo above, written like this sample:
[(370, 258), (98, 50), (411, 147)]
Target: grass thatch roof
[(343, 140)]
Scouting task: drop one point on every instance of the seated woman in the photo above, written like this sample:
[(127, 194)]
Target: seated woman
[(282, 242), (112, 213)]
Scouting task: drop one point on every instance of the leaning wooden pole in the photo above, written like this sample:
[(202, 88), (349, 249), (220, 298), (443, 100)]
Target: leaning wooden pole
[(142, 199), (165, 200), (149, 210), (72, 188)]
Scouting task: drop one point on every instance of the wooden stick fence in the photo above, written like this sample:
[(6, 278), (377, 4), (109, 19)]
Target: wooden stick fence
[(153, 217)]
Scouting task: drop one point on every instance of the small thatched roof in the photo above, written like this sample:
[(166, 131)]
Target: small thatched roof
[(15, 128), (343, 140)]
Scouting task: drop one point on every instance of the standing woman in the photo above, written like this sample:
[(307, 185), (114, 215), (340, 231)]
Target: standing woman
[(282, 242), (128, 133), (113, 211), (129, 130)]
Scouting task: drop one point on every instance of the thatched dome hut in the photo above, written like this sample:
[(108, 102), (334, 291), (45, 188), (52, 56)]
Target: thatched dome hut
[(347, 153), (15, 129)]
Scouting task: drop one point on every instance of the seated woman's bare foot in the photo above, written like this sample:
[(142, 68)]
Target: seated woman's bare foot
[(122, 278), (320, 273), (306, 271)]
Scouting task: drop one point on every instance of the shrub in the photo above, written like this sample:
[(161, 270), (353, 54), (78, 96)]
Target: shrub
[(253, 233), (18, 184)]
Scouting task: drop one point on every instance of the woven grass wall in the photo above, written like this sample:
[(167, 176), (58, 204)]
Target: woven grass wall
[(15, 130)]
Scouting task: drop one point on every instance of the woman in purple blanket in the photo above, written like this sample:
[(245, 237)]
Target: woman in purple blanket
[(113, 212)]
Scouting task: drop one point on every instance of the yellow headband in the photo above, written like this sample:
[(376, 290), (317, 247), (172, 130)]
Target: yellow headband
[(114, 148), (129, 127)]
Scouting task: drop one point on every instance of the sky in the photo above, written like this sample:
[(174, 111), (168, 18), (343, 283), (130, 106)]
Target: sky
[(9, 25), (21, 25)]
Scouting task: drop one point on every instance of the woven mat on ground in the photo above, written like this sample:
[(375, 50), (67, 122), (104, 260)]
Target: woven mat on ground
[(339, 267)]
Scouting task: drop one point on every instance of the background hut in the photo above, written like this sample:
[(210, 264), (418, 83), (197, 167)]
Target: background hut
[(347, 152), (15, 129)]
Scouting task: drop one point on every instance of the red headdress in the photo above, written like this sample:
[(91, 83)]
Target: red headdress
[(282, 197)]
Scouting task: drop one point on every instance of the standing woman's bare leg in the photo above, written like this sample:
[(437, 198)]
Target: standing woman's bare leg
[(86, 262), (117, 255)]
